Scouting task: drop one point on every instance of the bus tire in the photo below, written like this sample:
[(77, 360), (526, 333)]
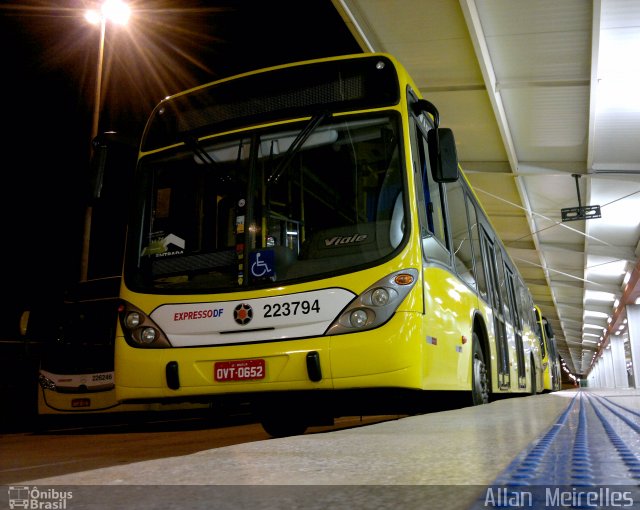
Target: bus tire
[(283, 425), (479, 379)]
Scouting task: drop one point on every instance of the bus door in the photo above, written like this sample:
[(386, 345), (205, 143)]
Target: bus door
[(514, 317), (493, 287), (552, 351)]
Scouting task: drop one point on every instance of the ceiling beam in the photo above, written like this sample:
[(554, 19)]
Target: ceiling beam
[(476, 32)]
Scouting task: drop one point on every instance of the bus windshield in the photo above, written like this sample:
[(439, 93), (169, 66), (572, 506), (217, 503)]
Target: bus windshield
[(297, 201)]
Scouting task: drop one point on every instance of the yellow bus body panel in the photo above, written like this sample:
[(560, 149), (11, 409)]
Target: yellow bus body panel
[(413, 350), (545, 361)]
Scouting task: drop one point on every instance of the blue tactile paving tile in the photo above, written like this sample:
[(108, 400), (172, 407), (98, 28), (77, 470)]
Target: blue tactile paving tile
[(590, 457)]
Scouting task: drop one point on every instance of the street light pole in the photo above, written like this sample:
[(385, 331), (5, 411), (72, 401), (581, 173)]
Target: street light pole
[(118, 12), (98, 96), (88, 213)]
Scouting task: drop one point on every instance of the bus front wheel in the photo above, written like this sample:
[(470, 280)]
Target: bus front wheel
[(283, 425), (480, 379)]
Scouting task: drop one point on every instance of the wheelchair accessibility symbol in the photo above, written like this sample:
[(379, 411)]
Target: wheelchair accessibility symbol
[(262, 264)]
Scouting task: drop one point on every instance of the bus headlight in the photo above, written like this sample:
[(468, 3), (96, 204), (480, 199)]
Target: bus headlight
[(46, 383), (358, 318), (139, 329), (376, 304), (380, 296), (132, 320), (148, 335)]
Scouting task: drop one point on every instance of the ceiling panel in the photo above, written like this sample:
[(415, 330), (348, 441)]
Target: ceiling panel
[(522, 85)]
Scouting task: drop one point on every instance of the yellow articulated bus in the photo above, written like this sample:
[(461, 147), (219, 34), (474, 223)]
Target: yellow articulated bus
[(552, 375), (302, 240)]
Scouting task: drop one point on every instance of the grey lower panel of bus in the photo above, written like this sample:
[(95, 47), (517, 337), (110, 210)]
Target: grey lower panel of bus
[(569, 447)]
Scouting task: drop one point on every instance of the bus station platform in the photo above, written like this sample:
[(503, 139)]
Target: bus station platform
[(577, 448)]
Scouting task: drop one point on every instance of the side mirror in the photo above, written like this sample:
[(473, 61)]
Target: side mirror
[(442, 145), (443, 155)]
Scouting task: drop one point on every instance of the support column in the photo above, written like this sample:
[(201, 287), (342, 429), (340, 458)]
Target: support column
[(608, 369), (618, 363), (633, 319), (597, 373)]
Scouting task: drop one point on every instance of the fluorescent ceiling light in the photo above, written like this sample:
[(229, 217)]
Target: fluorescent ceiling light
[(593, 313), (596, 295), (618, 213), (626, 278), (618, 72), (605, 266)]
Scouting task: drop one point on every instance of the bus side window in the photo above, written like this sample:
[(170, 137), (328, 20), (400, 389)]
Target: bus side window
[(460, 236), (430, 200), (502, 285), (477, 251)]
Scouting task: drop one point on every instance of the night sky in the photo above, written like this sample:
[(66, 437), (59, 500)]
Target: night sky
[(49, 62)]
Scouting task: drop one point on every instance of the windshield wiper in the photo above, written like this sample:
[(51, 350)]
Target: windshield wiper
[(295, 146), (194, 145), (199, 152)]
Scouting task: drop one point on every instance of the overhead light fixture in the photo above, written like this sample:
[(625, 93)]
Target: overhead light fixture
[(593, 313), (605, 266), (582, 212), (597, 295), (617, 80)]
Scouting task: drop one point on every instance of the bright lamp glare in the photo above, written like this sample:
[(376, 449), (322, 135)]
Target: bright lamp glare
[(92, 16), (116, 11)]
